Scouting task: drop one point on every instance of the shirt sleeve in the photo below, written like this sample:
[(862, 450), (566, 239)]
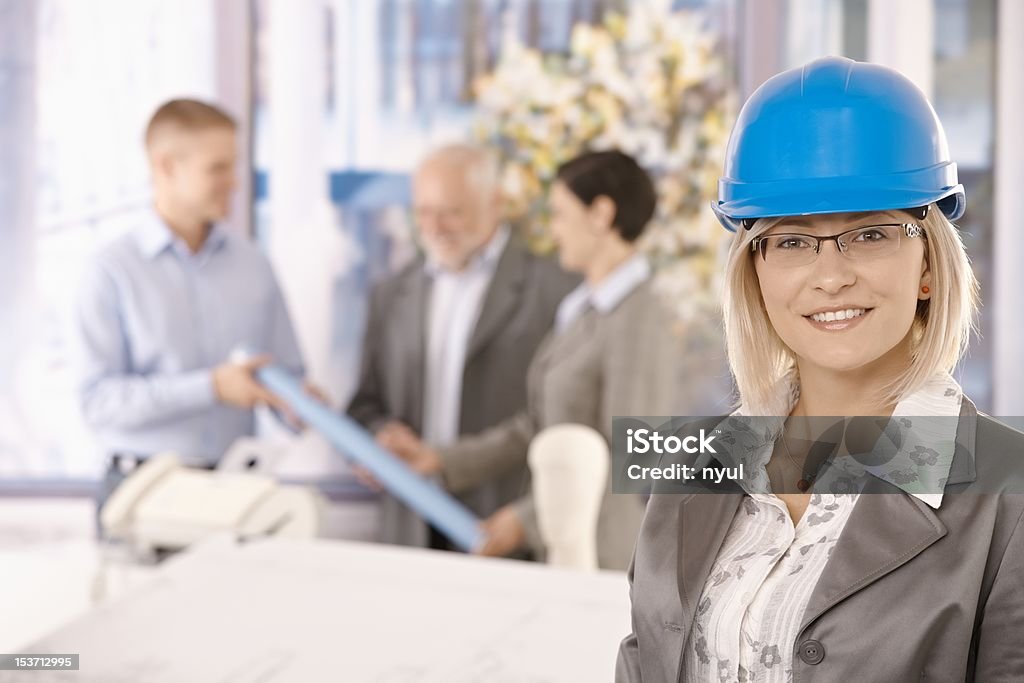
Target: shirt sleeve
[(284, 346), (494, 452), (110, 394), (999, 655)]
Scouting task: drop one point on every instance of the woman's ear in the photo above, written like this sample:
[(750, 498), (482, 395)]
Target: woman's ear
[(924, 291), (602, 211)]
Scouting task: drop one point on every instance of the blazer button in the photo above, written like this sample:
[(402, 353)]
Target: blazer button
[(812, 652)]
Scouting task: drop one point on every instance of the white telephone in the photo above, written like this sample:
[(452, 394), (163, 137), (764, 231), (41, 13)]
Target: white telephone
[(165, 505)]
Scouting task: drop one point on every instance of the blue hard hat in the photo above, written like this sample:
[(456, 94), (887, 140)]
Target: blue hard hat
[(834, 136)]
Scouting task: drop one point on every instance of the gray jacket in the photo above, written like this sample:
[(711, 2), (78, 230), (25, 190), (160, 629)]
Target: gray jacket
[(517, 311), (623, 362), (910, 593)]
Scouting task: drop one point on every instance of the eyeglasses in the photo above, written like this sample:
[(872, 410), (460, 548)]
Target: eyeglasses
[(787, 250)]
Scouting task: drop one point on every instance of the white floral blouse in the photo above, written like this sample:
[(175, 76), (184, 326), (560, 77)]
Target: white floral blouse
[(750, 611)]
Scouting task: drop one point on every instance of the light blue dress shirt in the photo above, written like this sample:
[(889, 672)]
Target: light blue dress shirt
[(153, 319)]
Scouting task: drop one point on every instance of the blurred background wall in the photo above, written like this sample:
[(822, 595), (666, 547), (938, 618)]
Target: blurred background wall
[(337, 99)]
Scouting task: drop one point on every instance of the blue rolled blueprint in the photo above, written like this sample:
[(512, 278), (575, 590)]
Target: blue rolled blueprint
[(426, 498)]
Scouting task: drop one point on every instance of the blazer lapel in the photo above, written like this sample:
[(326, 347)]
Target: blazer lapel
[(502, 298), (880, 545), (411, 315), (565, 343), (962, 470), (704, 520), (886, 529)]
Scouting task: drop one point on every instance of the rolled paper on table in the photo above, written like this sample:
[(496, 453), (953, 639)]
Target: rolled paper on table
[(426, 498)]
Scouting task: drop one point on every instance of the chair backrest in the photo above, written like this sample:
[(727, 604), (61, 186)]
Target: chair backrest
[(569, 464)]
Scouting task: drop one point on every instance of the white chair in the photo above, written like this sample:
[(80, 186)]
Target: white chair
[(569, 465)]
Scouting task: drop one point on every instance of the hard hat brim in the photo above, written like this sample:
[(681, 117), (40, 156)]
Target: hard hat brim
[(731, 214)]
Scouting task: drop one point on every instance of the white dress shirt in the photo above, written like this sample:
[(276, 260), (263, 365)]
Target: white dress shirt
[(752, 605), (456, 299)]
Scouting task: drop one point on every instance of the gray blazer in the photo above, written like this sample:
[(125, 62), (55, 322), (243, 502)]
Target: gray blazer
[(517, 311), (624, 362), (909, 594)]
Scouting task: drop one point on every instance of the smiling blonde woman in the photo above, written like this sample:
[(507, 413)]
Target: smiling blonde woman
[(849, 293)]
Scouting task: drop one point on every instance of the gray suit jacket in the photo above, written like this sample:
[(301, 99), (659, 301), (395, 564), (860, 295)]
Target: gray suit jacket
[(909, 593), (517, 311), (624, 362)]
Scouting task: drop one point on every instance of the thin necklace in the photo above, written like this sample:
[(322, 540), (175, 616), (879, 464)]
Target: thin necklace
[(804, 483)]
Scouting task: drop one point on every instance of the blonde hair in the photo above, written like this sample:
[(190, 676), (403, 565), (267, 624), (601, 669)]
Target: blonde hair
[(942, 326), (186, 115)]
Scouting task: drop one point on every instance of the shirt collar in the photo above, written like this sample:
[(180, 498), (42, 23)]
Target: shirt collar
[(485, 259), (927, 421), (620, 283), (154, 236), (607, 294)]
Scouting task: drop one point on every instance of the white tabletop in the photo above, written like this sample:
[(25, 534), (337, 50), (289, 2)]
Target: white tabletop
[(277, 610)]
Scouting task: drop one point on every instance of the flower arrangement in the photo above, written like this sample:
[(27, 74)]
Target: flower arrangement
[(650, 82)]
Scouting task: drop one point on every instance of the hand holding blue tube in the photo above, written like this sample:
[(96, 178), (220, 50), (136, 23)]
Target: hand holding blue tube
[(424, 497)]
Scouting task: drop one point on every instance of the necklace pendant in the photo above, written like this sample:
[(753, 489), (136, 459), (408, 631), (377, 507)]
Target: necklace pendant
[(803, 485)]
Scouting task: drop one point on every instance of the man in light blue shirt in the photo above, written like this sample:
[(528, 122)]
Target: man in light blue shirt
[(162, 309)]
